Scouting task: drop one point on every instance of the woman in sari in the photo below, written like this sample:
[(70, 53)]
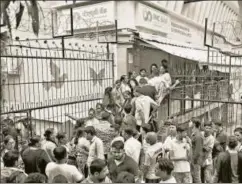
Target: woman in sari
[(99, 111), (165, 82), (124, 84), (79, 147), (49, 144), (117, 95), (133, 83), (153, 70)]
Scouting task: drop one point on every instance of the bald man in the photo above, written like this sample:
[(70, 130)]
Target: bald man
[(153, 153)]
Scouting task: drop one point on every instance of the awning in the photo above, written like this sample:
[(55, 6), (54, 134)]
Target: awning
[(181, 51)]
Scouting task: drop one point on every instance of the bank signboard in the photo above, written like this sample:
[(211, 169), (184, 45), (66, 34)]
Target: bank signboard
[(150, 18)]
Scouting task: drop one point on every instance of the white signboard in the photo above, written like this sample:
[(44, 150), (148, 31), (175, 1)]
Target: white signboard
[(153, 19), (185, 32), (88, 16)]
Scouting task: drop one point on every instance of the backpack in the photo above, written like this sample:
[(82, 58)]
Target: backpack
[(9, 175)]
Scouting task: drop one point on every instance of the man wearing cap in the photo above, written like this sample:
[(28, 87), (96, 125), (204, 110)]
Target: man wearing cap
[(153, 153), (143, 105), (229, 164)]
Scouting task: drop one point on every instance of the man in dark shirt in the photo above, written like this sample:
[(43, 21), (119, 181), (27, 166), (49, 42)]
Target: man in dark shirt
[(34, 158), (229, 164), (220, 141), (197, 150), (120, 162), (147, 90)]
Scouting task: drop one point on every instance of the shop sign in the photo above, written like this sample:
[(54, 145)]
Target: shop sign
[(88, 16), (85, 17), (151, 18)]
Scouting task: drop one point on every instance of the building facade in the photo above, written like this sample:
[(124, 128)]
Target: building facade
[(150, 31), (139, 33)]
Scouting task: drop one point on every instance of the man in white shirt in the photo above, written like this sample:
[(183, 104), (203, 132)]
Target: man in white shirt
[(96, 149), (171, 137), (180, 154), (153, 153), (60, 167), (143, 106), (208, 144), (132, 146)]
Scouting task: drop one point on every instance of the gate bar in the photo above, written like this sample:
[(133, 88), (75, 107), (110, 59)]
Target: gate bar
[(214, 101), (49, 106)]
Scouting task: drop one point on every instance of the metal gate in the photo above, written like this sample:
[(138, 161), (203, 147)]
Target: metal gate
[(39, 86), (211, 91)]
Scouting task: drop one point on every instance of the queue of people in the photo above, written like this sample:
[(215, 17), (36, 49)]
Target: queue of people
[(122, 141)]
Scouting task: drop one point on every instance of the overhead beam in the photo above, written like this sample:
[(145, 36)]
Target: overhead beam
[(191, 1)]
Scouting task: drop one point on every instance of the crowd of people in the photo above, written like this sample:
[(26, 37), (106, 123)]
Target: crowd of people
[(123, 141)]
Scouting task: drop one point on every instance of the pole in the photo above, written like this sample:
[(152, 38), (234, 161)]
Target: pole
[(205, 32), (108, 51), (213, 34), (63, 46)]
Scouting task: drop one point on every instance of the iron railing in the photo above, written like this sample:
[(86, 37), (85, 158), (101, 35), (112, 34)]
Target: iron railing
[(41, 86)]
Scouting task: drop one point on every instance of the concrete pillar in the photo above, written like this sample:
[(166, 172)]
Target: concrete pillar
[(207, 10), (232, 30), (202, 12), (197, 11), (185, 10), (225, 13), (179, 6), (228, 26), (216, 7), (220, 8), (191, 10), (211, 11), (162, 3), (221, 18), (240, 18), (228, 15), (171, 5)]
